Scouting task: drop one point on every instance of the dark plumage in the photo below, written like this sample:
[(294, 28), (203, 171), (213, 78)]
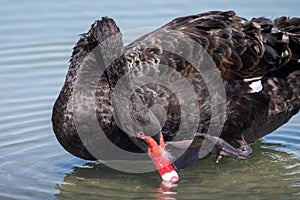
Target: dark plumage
[(241, 49)]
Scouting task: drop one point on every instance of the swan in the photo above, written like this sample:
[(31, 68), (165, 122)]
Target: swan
[(215, 69)]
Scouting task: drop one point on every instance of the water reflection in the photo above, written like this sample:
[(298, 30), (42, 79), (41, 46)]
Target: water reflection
[(96, 181), (271, 173)]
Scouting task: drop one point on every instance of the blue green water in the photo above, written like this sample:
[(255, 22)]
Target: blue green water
[(36, 40)]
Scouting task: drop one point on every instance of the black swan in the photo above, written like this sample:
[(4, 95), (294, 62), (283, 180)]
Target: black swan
[(189, 83)]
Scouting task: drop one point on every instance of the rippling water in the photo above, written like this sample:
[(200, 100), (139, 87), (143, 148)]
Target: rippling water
[(36, 42)]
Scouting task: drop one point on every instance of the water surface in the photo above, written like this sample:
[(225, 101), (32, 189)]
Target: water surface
[(36, 40)]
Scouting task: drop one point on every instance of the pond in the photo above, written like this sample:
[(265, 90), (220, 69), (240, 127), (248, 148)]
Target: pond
[(36, 40)]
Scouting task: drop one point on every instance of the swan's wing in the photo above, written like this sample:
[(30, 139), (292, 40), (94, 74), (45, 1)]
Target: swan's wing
[(241, 48)]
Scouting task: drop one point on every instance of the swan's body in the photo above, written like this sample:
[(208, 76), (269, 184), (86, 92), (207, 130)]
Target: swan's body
[(241, 49)]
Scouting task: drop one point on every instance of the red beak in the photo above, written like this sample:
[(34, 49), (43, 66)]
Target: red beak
[(159, 156)]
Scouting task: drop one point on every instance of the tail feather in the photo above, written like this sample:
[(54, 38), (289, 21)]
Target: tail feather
[(291, 26)]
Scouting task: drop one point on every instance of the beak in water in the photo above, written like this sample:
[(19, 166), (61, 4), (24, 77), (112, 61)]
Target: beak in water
[(159, 156)]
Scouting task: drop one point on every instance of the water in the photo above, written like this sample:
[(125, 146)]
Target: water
[(36, 40)]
